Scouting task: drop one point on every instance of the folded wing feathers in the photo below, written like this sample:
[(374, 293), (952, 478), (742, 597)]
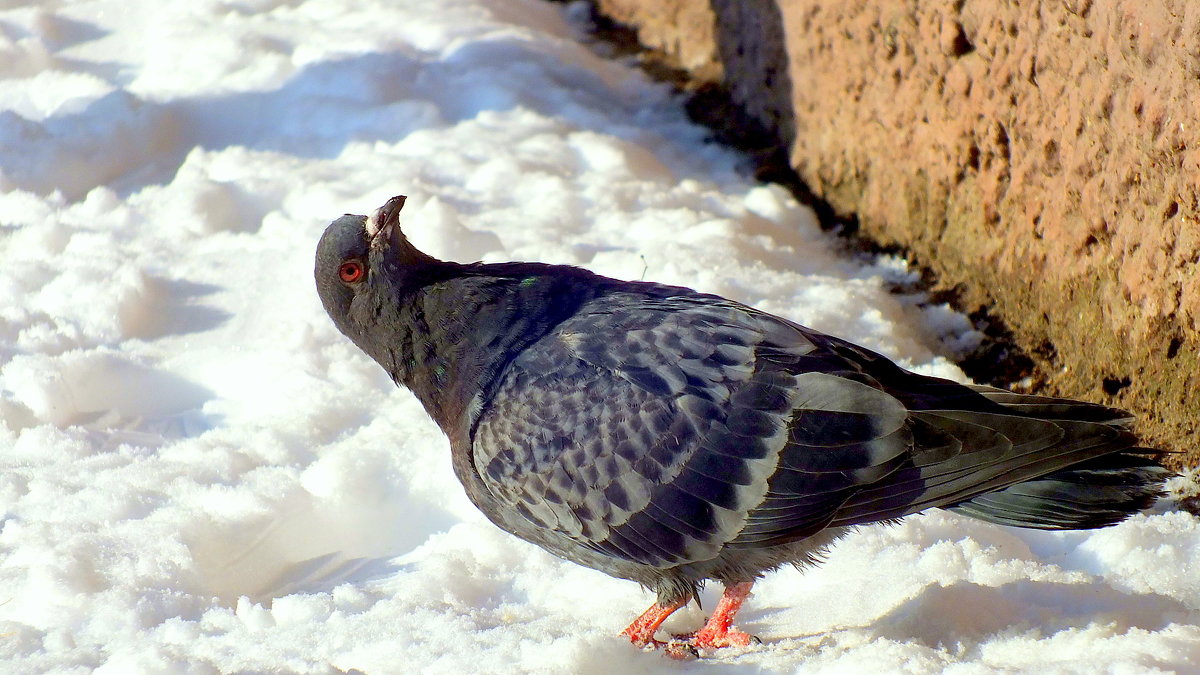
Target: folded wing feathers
[(766, 432)]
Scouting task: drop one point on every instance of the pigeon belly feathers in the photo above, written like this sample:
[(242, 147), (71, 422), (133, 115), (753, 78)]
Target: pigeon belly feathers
[(670, 437)]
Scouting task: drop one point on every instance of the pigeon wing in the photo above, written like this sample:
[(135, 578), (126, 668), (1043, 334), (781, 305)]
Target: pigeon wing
[(653, 430)]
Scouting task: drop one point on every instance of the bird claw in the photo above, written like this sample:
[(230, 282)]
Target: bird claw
[(674, 649), (703, 639), (680, 651)]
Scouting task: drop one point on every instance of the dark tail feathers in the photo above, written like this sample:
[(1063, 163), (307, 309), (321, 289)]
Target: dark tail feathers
[(1096, 493)]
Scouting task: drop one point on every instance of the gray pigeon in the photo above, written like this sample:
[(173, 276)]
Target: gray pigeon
[(670, 437)]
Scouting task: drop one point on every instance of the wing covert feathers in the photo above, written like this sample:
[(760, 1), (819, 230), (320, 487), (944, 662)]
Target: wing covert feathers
[(664, 431)]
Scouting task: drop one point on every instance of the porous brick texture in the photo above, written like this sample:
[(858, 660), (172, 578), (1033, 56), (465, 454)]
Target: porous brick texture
[(1043, 157)]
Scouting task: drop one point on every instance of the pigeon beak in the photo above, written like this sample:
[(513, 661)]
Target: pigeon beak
[(386, 237), (383, 227)]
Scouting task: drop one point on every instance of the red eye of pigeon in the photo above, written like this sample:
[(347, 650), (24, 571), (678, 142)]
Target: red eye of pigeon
[(351, 272)]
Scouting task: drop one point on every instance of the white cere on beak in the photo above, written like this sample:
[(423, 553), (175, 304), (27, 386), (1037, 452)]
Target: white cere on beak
[(373, 223)]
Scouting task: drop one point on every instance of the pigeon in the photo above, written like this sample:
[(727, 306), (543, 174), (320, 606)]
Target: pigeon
[(672, 437)]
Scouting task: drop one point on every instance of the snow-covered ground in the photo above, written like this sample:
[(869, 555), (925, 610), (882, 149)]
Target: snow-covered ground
[(199, 474)]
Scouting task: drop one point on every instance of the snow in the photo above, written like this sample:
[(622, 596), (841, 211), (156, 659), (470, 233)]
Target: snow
[(199, 474)]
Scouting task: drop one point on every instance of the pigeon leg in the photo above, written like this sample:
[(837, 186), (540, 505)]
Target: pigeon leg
[(641, 631), (719, 631)]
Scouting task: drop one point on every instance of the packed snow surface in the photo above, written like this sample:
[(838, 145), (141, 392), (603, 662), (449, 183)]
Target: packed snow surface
[(199, 474)]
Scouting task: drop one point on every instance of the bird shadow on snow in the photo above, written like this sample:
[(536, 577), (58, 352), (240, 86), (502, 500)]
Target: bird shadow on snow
[(969, 615), (963, 617)]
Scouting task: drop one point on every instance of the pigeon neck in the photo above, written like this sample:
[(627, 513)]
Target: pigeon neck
[(458, 336)]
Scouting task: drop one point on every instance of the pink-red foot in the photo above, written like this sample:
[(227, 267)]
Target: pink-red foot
[(641, 631), (717, 632)]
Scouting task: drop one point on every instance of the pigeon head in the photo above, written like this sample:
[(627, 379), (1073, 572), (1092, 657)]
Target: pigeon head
[(362, 259)]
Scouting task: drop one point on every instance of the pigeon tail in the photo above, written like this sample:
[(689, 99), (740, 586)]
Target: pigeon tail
[(1097, 493)]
